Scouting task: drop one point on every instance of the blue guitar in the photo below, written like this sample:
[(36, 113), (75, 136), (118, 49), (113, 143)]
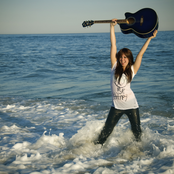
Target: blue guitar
[(142, 23)]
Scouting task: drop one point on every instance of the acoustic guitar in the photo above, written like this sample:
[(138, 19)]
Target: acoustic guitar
[(142, 23)]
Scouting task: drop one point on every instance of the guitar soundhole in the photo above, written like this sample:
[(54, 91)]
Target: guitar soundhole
[(131, 21)]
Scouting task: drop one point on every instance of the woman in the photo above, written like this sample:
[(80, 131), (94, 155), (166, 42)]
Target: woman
[(123, 69)]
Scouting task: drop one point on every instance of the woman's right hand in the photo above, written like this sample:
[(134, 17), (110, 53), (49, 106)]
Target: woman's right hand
[(115, 22)]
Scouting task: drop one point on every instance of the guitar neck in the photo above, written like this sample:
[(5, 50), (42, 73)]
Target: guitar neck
[(120, 21)]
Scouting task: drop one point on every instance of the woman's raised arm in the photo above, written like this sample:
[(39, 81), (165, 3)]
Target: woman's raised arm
[(113, 43), (138, 60)]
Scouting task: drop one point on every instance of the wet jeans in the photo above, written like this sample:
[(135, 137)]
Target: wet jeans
[(113, 118)]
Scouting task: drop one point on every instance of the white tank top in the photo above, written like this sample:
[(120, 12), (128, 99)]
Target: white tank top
[(122, 96)]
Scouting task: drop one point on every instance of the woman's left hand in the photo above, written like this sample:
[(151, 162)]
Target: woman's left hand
[(154, 34)]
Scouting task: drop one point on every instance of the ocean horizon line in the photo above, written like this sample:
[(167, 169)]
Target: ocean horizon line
[(70, 33)]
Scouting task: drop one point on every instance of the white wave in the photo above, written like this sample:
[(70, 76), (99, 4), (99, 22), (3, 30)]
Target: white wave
[(57, 137)]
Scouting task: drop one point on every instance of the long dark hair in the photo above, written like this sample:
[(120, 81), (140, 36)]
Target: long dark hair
[(119, 69)]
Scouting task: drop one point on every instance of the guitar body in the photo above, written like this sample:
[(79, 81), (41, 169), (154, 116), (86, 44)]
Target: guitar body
[(143, 24)]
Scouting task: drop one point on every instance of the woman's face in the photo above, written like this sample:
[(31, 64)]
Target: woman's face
[(124, 61)]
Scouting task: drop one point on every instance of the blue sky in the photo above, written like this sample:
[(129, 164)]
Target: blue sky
[(66, 16)]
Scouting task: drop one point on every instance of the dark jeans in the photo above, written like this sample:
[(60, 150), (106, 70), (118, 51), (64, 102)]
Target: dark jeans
[(113, 118)]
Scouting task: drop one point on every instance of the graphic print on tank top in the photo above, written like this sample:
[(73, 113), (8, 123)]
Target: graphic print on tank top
[(120, 89)]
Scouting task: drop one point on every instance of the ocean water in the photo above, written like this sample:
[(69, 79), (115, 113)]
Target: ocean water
[(55, 97)]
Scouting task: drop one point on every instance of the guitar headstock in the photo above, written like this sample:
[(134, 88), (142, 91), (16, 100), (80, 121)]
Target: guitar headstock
[(87, 23)]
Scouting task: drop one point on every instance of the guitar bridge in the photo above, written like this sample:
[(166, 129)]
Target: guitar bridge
[(141, 21)]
